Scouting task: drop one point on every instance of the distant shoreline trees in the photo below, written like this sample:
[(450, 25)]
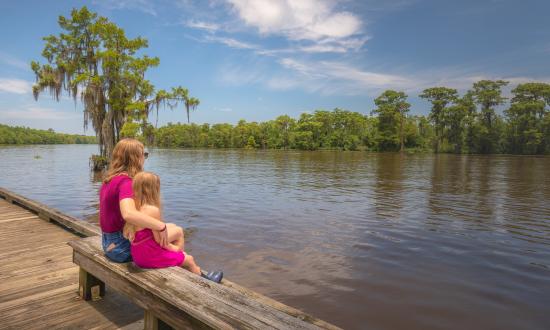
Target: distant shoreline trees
[(456, 124), (24, 135), (467, 124)]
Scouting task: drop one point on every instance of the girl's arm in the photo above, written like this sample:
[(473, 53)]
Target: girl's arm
[(154, 212), (141, 219)]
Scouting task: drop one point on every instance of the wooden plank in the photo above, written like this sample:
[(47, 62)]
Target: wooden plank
[(69, 222), (215, 305), (25, 285), (19, 250), (64, 310), (13, 213), (18, 219)]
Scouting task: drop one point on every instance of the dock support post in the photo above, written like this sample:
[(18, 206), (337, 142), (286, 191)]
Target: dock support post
[(90, 287), (151, 322)]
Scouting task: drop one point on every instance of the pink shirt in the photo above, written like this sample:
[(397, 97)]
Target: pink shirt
[(110, 194)]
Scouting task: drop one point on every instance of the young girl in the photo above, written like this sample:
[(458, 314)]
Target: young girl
[(116, 202), (145, 248)]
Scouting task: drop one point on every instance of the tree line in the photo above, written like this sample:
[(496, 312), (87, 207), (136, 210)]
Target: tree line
[(469, 123), (25, 135)]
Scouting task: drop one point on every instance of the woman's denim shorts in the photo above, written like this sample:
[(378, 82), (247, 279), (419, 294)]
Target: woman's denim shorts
[(121, 251)]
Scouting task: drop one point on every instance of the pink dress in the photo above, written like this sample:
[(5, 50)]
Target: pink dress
[(147, 253)]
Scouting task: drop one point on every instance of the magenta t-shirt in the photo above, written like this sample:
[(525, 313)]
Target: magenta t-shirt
[(110, 194)]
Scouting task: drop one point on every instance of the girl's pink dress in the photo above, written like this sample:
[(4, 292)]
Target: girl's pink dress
[(147, 253)]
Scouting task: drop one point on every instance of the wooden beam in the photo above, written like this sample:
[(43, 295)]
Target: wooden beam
[(89, 287), (151, 322)]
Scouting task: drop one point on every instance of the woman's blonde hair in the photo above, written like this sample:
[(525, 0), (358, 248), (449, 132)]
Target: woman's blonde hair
[(126, 158), (146, 188)]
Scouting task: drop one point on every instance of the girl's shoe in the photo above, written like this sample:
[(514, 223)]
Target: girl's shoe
[(215, 276)]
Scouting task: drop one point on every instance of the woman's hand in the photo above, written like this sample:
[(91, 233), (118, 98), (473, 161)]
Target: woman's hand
[(163, 237)]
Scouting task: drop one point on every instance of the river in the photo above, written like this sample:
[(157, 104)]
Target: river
[(362, 240)]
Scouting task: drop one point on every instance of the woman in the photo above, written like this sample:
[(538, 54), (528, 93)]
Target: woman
[(117, 206)]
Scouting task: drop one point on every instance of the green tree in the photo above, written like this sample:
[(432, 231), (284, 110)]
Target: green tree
[(95, 59), (488, 95), (526, 118), (391, 109), (285, 124), (440, 97)]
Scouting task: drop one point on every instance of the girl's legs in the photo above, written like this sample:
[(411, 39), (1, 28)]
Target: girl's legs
[(175, 235), (190, 265)]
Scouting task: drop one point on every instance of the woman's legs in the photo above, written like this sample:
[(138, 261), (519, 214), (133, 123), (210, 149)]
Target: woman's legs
[(175, 235), (190, 265)]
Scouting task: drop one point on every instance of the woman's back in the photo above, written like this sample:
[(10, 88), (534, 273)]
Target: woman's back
[(110, 195)]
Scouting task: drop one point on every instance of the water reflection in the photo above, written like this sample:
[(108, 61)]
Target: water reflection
[(362, 240)]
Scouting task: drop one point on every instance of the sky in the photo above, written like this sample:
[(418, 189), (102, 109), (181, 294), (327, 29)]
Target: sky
[(258, 59)]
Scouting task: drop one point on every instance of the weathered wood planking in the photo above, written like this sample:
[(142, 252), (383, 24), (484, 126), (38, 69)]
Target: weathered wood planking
[(47, 213), (39, 281), (41, 211), (166, 291)]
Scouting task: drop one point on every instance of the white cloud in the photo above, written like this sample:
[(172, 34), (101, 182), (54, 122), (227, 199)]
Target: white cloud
[(145, 6), (298, 19), (226, 109), (16, 86), (38, 113), (233, 43), (210, 27), (316, 22)]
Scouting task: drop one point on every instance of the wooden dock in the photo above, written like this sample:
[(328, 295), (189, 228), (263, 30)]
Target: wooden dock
[(39, 283)]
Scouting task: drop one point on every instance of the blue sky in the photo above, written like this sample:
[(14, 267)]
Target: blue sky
[(257, 59)]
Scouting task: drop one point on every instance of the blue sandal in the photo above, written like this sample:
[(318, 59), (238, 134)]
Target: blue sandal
[(214, 276)]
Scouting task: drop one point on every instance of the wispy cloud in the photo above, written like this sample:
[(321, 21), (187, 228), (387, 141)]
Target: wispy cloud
[(339, 78), (37, 113), (332, 77), (144, 6), (233, 43), (195, 24), (13, 61), (16, 86), (325, 77)]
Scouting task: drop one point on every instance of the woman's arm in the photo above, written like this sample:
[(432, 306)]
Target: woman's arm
[(131, 215), (154, 212)]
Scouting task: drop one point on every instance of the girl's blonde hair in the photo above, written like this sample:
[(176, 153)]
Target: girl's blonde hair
[(126, 158), (146, 188)]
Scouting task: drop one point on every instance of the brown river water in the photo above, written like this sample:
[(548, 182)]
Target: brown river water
[(362, 240)]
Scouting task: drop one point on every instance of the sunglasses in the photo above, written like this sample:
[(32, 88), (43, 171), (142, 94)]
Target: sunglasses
[(146, 155)]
